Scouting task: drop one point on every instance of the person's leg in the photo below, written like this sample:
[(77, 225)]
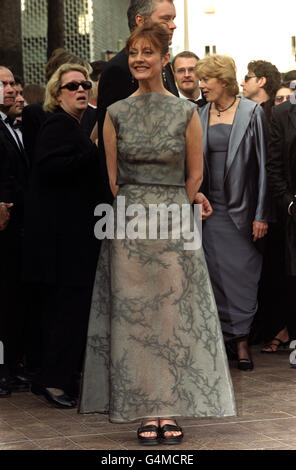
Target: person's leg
[(65, 328)]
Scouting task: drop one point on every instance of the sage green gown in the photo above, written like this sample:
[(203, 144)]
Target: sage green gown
[(154, 347)]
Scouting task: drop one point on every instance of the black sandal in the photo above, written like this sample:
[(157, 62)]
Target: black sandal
[(148, 441), (279, 346), (171, 439)]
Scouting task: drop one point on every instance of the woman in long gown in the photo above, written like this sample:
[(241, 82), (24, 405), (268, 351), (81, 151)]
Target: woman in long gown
[(234, 140), (155, 349)]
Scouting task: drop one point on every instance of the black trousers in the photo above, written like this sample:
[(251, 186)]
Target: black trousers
[(274, 306), (290, 318), (64, 326), (12, 300)]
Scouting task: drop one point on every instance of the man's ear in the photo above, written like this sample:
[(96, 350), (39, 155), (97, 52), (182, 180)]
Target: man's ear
[(165, 59), (262, 81), (139, 20)]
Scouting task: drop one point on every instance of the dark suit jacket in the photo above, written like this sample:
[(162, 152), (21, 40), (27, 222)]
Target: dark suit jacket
[(281, 171), (245, 179), (34, 116), (14, 168), (60, 247)]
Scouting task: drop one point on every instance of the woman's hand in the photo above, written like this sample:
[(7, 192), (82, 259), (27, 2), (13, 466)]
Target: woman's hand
[(206, 209), (260, 229), (4, 214)]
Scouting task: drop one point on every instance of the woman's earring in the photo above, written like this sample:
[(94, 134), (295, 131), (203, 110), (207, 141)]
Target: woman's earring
[(164, 76)]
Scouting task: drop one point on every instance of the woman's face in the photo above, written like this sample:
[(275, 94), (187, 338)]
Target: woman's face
[(213, 88), (283, 94), (145, 61), (73, 102)]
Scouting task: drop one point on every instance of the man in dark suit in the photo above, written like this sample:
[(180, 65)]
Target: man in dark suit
[(281, 172), (13, 180), (184, 65)]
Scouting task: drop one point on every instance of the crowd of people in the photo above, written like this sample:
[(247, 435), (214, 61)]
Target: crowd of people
[(143, 329)]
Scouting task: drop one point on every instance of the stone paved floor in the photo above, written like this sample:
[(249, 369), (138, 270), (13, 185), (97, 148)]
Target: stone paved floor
[(266, 420)]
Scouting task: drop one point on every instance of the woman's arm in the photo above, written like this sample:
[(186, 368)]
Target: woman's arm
[(194, 157), (110, 143)]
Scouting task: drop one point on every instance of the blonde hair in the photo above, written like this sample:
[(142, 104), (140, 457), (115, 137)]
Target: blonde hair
[(221, 67), (53, 86)]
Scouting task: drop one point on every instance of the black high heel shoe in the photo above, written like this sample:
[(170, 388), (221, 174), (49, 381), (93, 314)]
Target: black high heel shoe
[(60, 401), (245, 364)]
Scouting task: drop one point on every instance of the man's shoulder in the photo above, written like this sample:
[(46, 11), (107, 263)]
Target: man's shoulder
[(119, 61)]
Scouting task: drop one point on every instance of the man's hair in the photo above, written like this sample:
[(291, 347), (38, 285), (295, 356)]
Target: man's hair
[(141, 7), (3, 67), (59, 57), (18, 80), (185, 55), (262, 68), (289, 76), (97, 68)]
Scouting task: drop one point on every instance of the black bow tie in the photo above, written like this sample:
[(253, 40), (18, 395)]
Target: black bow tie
[(14, 124), (199, 102), (17, 124)]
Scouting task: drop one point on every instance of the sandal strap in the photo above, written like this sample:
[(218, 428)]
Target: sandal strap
[(281, 343), (170, 427), (277, 345), (148, 428)]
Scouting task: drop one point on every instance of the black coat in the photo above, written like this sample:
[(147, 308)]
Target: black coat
[(33, 118), (60, 247), (281, 171)]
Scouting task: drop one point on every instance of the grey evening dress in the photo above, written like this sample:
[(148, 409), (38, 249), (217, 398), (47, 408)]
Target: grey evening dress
[(233, 261), (155, 346)]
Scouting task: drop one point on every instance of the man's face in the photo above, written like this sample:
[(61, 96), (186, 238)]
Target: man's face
[(250, 85), (187, 80), (9, 93), (165, 13), (18, 106)]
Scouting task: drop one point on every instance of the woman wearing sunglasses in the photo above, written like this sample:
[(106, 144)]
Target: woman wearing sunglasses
[(61, 250), (283, 93), (234, 141)]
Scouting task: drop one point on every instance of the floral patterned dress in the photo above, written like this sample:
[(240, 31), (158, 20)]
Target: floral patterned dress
[(154, 347)]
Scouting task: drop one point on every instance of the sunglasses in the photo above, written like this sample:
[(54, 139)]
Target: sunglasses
[(281, 98), (73, 86), (247, 77)]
